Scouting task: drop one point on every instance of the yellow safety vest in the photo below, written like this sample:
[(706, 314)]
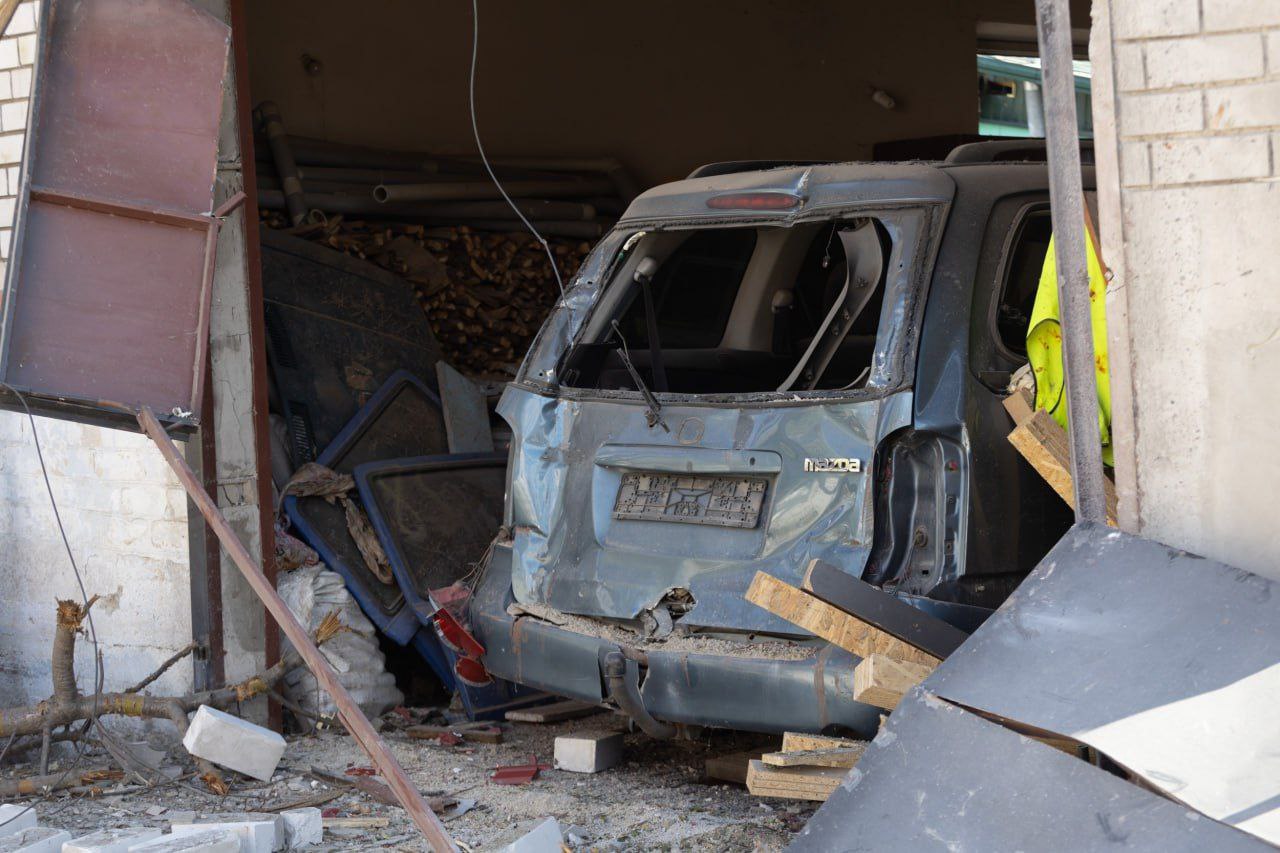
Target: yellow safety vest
[(1044, 344)]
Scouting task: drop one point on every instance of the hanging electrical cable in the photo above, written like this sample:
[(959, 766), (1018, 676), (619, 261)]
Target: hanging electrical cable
[(475, 131)]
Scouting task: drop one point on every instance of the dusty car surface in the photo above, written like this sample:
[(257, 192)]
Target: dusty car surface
[(755, 369)]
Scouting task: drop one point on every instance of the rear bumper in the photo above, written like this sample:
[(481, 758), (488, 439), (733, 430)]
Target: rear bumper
[(751, 694)]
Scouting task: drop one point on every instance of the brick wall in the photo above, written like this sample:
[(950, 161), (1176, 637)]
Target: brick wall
[(125, 513), (1191, 223), (17, 54)]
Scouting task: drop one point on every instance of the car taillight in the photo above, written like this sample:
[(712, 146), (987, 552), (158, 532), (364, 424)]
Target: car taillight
[(754, 201)]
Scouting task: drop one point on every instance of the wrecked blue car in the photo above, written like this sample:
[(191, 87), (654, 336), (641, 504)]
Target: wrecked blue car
[(757, 368)]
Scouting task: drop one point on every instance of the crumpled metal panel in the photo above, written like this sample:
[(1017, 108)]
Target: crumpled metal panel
[(114, 245), (937, 777), (571, 553), (1164, 661)]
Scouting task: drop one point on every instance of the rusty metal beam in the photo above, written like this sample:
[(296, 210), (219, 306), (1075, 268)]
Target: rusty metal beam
[(349, 712), (1066, 199)]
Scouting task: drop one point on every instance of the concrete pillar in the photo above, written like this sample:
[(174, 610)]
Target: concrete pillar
[(1187, 120)]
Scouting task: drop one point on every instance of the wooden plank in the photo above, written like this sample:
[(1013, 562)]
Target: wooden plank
[(881, 680), (1043, 443), (348, 711), (840, 756), (797, 742), (1020, 405), (731, 767), (816, 616), (795, 783), (882, 610), (569, 709)]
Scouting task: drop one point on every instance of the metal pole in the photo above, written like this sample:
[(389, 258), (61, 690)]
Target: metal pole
[(1066, 195)]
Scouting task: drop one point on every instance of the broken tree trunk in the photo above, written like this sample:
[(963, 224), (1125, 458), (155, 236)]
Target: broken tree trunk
[(352, 717)]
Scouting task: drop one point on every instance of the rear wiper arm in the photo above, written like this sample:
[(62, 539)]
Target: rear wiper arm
[(653, 409)]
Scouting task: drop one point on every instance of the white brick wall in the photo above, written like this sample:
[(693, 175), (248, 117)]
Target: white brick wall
[(124, 511), (126, 518), (17, 55), (1193, 230)]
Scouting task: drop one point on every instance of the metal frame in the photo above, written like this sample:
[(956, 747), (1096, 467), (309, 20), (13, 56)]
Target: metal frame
[(92, 410), (1066, 199)]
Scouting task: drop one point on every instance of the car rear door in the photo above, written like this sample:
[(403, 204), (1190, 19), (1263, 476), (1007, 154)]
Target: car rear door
[(106, 301)]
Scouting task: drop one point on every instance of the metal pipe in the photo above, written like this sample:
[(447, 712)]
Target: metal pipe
[(473, 190), (625, 691), (286, 167), (1066, 197)]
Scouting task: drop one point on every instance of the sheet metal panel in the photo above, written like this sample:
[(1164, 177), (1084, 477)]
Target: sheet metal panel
[(939, 778), (107, 292), (1166, 662)]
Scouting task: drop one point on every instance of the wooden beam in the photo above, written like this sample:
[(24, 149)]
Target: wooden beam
[(816, 616), (348, 711), (797, 742), (839, 756), (881, 680), (1043, 442), (794, 783)]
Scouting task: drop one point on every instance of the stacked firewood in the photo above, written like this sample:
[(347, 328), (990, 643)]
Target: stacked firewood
[(485, 293)]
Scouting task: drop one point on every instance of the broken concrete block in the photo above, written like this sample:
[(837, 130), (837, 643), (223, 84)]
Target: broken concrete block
[(588, 753), (205, 841), (110, 840), (228, 819), (543, 838), (256, 836), (35, 839), (302, 827), (232, 742), (14, 819)]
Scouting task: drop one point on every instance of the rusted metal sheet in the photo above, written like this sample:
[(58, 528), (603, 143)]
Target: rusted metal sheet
[(114, 249)]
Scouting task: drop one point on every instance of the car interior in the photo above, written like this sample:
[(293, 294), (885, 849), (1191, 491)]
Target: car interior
[(737, 310)]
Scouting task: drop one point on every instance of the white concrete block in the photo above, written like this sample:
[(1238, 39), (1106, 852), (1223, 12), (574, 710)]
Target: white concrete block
[(234, 743), (1130, 74), (588, 753), (1240, 14), (1252, 105), (111, 840), (1155, 18), (1135, 164), (302, 827), (543, 838), (1160, 112), (37, 839), (1201, 59), (15, 818), (205, 841), (234, 820), (256, 836), (1218, 158)]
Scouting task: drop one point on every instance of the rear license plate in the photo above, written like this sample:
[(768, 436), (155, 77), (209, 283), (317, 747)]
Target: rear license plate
[(691, 499)]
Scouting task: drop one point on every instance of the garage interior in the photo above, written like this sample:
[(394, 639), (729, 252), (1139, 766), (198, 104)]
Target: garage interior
[(366, 284)]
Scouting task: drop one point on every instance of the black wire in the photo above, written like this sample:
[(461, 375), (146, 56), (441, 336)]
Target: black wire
[(82, 744)]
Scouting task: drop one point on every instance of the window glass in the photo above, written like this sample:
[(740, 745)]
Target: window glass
[(1022, 278)]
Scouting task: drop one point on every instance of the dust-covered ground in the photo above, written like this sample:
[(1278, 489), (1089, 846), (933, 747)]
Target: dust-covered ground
[(657, 799)]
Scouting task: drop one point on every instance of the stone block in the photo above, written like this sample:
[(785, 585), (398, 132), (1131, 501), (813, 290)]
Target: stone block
[(204, 841), (36, 839), (589, 752), (234, 743), (15, 818), (111, 840), (302, 827), (255, 836)]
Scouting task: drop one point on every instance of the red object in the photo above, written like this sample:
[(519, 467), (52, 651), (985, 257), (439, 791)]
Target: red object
[(329, 813), (455, 636), (471, 672), (361, 771), (518, 774), (449, 739), (403, 713), (754, 201)]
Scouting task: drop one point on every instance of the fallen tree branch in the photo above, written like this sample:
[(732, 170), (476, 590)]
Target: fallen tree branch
[(164, 667)]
